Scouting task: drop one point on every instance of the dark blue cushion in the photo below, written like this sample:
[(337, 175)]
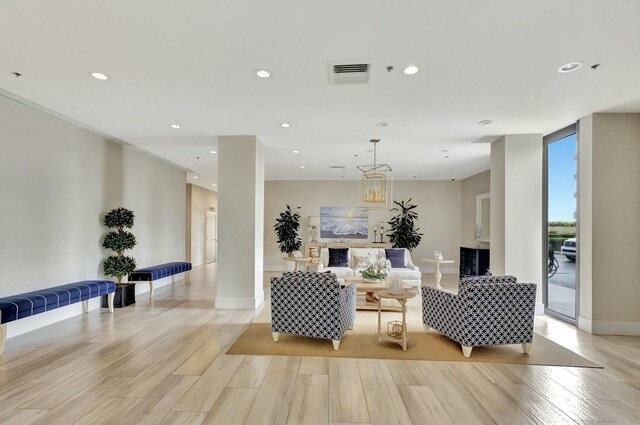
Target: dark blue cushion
[(159, 271), (396, 257), (19, 306), (338, 257)]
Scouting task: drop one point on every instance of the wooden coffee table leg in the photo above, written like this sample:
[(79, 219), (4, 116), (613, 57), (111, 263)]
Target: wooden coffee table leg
[(379, 320)]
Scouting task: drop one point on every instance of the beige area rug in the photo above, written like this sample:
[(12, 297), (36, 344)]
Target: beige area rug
[(362, 342)]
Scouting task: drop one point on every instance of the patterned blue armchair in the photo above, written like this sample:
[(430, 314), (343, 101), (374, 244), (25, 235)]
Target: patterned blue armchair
[(312, 304), (488, 310)]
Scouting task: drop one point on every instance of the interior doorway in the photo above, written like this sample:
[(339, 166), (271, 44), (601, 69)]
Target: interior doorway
[(212, 237), (562, 256)]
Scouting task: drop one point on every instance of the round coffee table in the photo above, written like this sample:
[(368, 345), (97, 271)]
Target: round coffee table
[(402, 299), (437, 274), (297, 260)]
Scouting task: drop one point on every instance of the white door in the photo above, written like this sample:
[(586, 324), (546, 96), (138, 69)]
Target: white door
[(212, 237)]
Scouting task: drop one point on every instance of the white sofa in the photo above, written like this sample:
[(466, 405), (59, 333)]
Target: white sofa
[(410, 274)]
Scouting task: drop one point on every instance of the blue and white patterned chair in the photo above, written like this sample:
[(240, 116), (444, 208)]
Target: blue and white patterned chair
[(487, 310), (312, 304)]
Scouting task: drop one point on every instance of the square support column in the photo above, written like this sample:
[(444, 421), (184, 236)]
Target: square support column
[(516, 209), (240, 222)]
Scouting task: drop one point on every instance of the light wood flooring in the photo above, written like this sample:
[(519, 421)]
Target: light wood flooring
[(164, 363)]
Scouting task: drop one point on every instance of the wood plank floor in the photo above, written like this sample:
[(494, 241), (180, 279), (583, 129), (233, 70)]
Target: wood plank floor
[(163, 362)]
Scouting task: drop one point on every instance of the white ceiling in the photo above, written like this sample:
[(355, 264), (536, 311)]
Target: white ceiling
[(192, 63)]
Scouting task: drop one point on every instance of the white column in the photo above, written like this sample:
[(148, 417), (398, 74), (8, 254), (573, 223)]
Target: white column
[(516, 209), (240, 222)]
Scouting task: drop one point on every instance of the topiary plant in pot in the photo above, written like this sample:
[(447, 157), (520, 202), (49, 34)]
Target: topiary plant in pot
[(119, 265), (286, 227), (403, 232)]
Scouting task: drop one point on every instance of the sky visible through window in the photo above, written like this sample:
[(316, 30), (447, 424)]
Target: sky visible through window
[(562, 184)]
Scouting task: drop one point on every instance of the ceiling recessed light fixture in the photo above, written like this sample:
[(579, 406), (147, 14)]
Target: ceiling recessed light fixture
[(485, 122), (443, 150), (176, 126), (99, 76), (295, 151), (285, 125), (382, 124), (213, 152), (196, 177), (302, 166), (570, 67), (410, 70), (263, 73), (213, 184)]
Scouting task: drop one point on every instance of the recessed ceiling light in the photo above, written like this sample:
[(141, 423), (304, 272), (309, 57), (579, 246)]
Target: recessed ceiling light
[(196, 177), (263, 73), (213, 184), (571, 66), (485, 122), (99, 76), (176, 126), (213, 152), (285, 125), (295, 151), (443, 150), (382, 124), (302, 166), (410, 70)]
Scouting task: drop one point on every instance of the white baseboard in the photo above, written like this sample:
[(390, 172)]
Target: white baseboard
[(239, 303), (443, 269), (607, 327), (28, 324), (585, 324)]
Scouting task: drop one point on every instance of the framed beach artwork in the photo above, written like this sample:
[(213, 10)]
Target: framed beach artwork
[(344, 223)]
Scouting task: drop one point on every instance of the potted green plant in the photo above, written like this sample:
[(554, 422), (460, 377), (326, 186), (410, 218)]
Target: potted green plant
[(403, 232), (286, 227), (119, 265)]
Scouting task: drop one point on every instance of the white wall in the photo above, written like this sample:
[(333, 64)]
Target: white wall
[(56, 183), (609, 240), (201, 201), (471, 187), (439, 211)]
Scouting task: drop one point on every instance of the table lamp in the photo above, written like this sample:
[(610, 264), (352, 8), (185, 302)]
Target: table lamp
[(314, 222)]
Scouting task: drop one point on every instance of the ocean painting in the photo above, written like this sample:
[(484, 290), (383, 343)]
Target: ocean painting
[(344, 223)]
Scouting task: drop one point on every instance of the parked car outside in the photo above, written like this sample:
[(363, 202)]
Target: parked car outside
[(569, 249)]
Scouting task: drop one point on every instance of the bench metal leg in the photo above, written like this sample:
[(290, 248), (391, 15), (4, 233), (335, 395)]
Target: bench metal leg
[(110, 298), (150, 289), (3, 337), (187, 277), (85, 306)]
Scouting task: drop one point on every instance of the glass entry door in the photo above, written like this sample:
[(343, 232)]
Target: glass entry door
[(561, 288)]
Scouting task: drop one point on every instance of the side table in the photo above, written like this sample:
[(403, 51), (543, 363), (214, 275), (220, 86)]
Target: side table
[(402, 299), (297, 260), (437, 274)]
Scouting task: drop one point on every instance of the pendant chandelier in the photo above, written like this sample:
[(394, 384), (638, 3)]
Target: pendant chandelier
[(374, 183)]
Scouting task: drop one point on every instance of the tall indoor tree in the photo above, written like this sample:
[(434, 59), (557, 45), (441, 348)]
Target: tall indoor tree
[(119, 240), (403, 232), (286, 227)]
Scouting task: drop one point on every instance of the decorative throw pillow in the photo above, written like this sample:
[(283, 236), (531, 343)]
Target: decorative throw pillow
[(360, 262), (396, 257), (338, 257)]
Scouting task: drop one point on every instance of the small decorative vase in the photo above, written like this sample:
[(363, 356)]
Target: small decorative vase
[(395, 287), (437, 255)]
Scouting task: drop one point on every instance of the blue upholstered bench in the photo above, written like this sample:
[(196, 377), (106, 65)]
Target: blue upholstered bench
[(15, 307), (149, 274)]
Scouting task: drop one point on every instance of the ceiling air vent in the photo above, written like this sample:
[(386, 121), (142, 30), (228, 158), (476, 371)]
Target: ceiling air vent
[(354, 72), (337, 167)]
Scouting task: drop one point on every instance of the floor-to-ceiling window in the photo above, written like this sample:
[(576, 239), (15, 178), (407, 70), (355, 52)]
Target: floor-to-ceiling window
[(561, 286)]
